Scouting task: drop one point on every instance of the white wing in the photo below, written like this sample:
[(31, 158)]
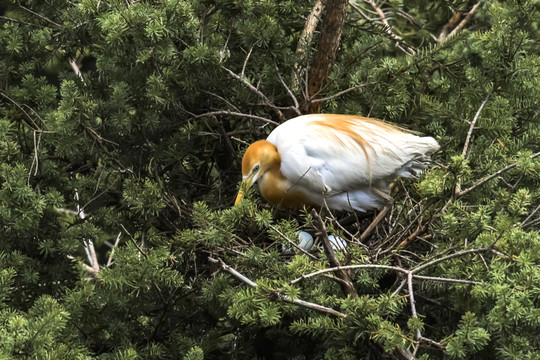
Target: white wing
[(337, 154)]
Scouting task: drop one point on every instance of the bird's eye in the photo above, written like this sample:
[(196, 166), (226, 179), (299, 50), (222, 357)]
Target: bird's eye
[(256, 168)]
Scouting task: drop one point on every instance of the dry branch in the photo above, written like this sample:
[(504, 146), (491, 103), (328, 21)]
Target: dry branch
[(490, 177), (258, 92), (286, 298), (233, 113), (292, 242), (462, 24), (471, 127), (387, 28), (347, 284)]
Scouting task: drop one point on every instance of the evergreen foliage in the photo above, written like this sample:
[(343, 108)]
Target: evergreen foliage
[(122, 125)]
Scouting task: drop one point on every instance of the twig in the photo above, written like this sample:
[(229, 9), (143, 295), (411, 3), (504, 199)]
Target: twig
[(374, 223), (384, 267), (457, 281), (396, 292), (287, 298), (471, 128), (245, 63), (93, 134), (420, 229), (76, 69), (448, 257), (228, 142), (413, 303), (233, 272), (532, 223), (25, 113), (20, 21), (256, 91), (35, 160), (446, 28), (92, 257), (296, 107), (524, 222), (233, 113), (433, 342), (314, 306), (387, 28), (343, 92), (405, 353), (366, 248), (490, 177), (291, 242), (40, 16), (463, 22), (221, 98), (133, 240), (348, 267), (347, 284), (109, 262)]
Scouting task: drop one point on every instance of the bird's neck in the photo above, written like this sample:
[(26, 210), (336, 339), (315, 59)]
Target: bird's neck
[(275, 188)]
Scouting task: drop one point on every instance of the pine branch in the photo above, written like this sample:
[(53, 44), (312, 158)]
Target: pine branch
[(286, 298), (490, 177)]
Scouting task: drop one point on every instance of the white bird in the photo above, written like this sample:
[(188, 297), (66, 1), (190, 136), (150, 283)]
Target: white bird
[(344, 161)]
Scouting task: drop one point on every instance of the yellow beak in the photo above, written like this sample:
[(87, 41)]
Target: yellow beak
[(244, 187), (239, 197)]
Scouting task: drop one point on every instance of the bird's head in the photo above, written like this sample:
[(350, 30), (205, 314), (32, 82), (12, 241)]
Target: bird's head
[(260, 157)]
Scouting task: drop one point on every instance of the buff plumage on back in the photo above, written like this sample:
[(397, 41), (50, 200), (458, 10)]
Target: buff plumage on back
[(345, 161)]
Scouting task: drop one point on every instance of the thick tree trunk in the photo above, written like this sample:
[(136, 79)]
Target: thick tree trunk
[(325, 55)]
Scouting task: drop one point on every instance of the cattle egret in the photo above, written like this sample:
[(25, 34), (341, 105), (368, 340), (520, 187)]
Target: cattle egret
[(346, 162)]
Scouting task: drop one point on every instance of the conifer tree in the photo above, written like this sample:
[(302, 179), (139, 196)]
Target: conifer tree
[(122, 126)]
